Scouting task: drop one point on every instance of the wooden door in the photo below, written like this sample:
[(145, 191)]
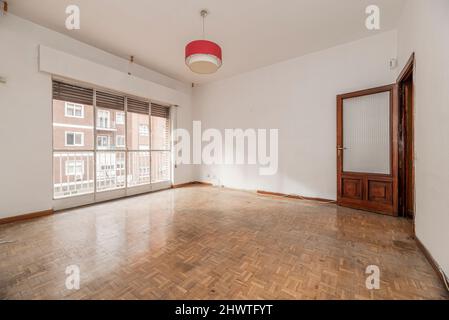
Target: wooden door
[(367, 150)]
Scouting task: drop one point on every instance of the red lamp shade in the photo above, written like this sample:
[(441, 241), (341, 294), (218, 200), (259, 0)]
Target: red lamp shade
[(203, 56)]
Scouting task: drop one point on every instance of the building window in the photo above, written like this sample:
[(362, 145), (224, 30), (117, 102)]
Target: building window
[(102, 141), (74, 168), (143, 130), (120, 141), (74, 110), (74, 139), (103, 119), (120, 118)]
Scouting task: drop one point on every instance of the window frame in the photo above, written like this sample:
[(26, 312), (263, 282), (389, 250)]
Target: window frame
[(108, 142), (66, 133), (98, 119), (74, 106)]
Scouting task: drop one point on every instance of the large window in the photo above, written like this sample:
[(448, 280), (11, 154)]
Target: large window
[(105, 141)]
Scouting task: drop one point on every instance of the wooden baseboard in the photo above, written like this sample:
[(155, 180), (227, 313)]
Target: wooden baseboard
[(291, 196), (188, 184), (183, 185), (268, 193), (432, 262), (27, 216), (204, 183)]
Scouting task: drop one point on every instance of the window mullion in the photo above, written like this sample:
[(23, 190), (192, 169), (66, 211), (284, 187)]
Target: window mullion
[(95, 143), (150, 145), (126, 145)]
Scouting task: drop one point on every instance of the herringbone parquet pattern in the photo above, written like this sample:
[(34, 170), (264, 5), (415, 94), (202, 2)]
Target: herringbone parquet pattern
[(210, 243)]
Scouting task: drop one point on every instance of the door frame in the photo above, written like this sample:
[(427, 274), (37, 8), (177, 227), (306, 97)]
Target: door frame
[(406, 156), (365, 182)]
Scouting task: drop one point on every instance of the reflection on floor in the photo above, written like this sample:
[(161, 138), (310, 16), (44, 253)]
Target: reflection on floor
[(210, 243)]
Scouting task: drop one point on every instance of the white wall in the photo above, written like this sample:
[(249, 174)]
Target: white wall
[(299, 98), (424, 29), (26, 107)]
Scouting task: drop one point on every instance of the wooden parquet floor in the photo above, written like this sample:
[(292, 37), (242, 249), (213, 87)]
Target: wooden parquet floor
[(211, 243)]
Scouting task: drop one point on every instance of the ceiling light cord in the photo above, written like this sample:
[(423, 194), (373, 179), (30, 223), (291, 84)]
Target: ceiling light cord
[(203, 14), (204, 32)]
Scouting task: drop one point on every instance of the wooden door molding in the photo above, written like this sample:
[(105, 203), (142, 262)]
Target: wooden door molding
[(368, 191), (408, 69), (406, 140)]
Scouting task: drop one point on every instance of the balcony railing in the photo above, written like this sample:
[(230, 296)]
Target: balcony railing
[(160, 166), (110, 169), (138, 168), (73, 173)]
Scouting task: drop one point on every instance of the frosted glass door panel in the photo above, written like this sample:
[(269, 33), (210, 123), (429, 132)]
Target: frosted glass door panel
[(366, 134)]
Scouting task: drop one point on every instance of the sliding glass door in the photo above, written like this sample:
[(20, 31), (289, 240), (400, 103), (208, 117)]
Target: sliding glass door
[(107, 145)]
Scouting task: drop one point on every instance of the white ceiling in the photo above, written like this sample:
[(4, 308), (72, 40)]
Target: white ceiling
[(252, 33)]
